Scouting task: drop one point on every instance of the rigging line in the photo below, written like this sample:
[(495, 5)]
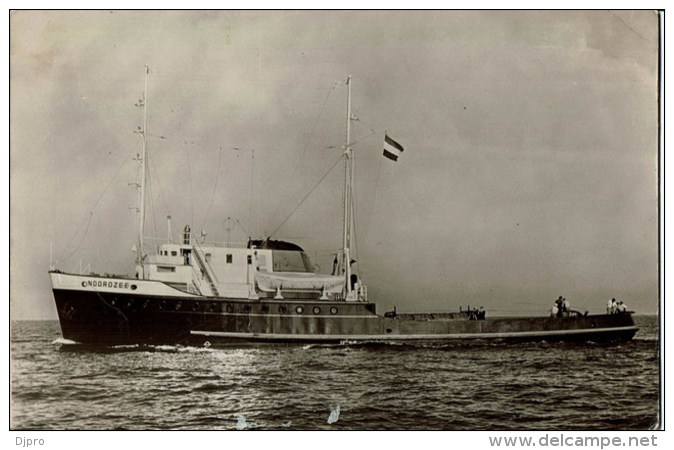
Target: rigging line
[(308, 141), (374, 199), (159, 194), (252, 185), (354, 201), (150, 196), (342, 262), (242, 228), (88, 221), (215, 188), (189, 176), (369, 218), (308, 194), (329, 251), (355, 256), (365, 137), (358, 120), (79, 244)]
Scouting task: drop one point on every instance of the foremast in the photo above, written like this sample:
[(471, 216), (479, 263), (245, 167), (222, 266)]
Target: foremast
[(142, 159)]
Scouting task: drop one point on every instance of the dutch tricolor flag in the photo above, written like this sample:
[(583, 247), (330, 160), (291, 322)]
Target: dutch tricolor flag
[(391, 148)]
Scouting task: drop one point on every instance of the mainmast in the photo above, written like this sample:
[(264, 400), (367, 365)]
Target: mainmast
[(143, 177), (348, 179)]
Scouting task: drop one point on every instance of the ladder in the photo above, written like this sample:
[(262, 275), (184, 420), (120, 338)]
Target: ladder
[(203, 265)]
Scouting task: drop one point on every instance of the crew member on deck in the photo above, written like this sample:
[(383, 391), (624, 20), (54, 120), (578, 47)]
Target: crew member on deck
[(335, 264), (354, 282), (354, 277), (559, 304)]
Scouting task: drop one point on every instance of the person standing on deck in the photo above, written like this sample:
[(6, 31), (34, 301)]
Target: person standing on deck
[(559, 304)]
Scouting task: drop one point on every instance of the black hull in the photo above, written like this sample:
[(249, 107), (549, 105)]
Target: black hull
[(104, 318)]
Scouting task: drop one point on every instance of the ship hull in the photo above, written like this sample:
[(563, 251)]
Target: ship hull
[(145, 312)]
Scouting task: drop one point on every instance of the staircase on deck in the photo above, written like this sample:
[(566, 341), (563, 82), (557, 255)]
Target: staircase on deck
[(205, 268)]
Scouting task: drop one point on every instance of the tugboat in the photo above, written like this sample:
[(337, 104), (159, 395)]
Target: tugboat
[(190, 293)]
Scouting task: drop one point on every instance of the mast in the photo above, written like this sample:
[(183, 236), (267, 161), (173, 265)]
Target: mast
[(348, 179), (143, 177)]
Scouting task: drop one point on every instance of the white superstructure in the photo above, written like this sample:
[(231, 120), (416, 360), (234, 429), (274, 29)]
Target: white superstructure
[(245, 272)]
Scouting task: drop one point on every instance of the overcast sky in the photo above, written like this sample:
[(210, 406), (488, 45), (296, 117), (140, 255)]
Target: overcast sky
[(529, 170)]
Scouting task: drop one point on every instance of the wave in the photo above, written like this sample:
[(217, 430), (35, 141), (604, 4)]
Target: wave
[(178, 349), (63, 341), (73, 346), (647, 339)]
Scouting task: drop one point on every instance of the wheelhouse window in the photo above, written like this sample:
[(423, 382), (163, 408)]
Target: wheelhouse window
[(228, 258), (291, 261), (165, 269)]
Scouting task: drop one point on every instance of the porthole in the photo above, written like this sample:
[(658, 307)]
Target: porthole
[(264, 309), (113, 302), (134, 287), (214, 307), (282, 309), (247, 309), (317, 310), (178, 305), (230, 308), (195, 306), (299, 310), (334, 310), (388, 330)]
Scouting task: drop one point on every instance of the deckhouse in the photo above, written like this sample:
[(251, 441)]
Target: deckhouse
[(257, 269)]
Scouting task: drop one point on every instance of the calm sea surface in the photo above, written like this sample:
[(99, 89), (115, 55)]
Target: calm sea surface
[(57, 385)]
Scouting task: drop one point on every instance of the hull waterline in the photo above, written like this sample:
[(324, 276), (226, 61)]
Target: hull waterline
[(98, 317)]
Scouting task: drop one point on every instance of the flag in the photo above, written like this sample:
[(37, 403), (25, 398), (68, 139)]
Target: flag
[(391, 148)]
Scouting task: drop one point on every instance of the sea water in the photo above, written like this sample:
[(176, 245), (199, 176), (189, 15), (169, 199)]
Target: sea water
[(60, 385)]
